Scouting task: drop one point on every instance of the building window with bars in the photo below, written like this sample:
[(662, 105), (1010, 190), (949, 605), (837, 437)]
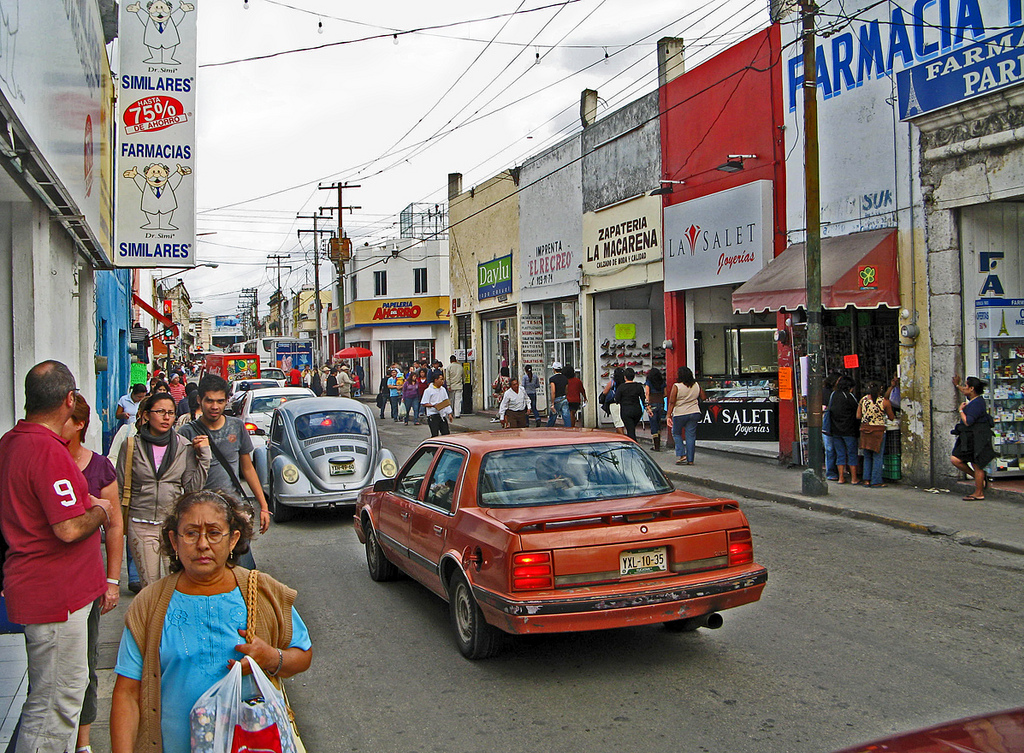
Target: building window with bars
[(380, 283), (420, 276)]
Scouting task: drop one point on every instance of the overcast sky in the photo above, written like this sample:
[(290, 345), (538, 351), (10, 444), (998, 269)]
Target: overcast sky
[(397, 115)]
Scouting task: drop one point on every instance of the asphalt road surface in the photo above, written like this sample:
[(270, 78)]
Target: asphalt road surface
[(862, 631)]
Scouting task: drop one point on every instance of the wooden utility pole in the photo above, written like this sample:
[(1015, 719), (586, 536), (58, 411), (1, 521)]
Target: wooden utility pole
[(813, 481), (317, 355), (275, 260), (339, 187)]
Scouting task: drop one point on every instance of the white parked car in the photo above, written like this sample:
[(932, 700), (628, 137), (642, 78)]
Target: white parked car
[(256, 407)]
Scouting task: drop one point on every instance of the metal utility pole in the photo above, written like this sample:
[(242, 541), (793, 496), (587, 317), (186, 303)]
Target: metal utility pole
[(339, 187), (275, 260), (316, 279), (813, 481)]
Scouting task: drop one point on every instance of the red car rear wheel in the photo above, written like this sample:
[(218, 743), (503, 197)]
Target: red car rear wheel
[(475, 637)]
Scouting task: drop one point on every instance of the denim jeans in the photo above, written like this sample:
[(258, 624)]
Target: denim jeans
[(395, 400), (560, 407), (831, 472), (412, 405), (873, 464), (657, 415), (846, 450), (533, 406), (687, 424)]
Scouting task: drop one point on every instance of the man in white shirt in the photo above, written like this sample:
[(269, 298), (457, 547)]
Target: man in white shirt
[(456, 376), (512, 411), (438, 406)]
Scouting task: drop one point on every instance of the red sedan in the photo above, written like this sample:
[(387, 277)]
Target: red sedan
[(554, 531)]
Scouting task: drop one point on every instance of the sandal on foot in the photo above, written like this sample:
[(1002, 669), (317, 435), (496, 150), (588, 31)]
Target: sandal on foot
[(973, 498)]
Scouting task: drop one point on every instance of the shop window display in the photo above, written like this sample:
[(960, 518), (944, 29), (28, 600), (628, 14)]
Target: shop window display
[(1002, 366)]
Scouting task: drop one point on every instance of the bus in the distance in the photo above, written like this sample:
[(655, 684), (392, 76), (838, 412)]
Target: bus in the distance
[(279, 352)]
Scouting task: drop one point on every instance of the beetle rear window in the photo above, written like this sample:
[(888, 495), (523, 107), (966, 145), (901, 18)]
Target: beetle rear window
[(328, 423), (558, 475)]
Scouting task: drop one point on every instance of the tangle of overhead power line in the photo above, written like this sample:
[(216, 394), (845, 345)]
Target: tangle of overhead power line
[(441, 134), (337, 174), (574, 125), (395, 34)]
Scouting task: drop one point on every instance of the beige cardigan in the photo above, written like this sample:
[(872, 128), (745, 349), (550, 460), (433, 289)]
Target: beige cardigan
[(145, 621)]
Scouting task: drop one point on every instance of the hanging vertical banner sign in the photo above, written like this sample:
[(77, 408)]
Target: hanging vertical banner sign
[(156, 96)]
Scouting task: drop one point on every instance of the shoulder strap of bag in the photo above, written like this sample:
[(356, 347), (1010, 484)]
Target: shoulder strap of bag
[(251, 588), (126, 493), (198, 426)]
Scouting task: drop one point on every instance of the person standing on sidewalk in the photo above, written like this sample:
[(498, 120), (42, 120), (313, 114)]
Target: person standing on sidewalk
[(154, 467), (411, 398), (128, 406), (558, 403), (345, 381), (102, 479), (872, 412), (845, 428), (973, 449), (831, 472), (531, 384), (684, 414), (53, 569), (655, 394), (512, 410), (232, 452), (437, 406), (575, 395), (456, 378), (630, 397)]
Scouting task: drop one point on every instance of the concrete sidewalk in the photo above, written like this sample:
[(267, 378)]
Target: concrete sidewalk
[(997, 522)]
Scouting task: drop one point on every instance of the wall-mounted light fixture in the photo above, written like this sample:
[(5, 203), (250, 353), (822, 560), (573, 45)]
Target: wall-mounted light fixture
[(734, 162), (665, 189), (668, 344)]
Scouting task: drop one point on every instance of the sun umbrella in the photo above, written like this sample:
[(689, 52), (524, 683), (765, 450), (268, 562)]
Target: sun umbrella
[(354, 352)]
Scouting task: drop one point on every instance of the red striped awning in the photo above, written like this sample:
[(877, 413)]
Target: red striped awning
[(856, 270)]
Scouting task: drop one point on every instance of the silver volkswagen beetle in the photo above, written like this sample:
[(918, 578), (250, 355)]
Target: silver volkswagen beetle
[(321, 452)]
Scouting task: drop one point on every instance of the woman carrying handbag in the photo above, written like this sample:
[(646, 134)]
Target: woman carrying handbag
[(873, 411)]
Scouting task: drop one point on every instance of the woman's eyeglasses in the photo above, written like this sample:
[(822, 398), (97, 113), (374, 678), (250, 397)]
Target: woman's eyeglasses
[(212, 537), (164, 413)]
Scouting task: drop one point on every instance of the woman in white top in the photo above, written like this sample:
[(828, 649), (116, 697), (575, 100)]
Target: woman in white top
[(684, 413)]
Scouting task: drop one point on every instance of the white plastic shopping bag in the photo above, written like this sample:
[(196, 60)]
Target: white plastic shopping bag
[(222, 721)]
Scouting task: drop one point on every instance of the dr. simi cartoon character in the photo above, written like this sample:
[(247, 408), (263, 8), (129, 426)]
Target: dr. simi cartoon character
[(161, 21), (157, 185)]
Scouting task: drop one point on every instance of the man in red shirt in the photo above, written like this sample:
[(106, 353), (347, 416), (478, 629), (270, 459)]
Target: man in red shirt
[(53, 570)]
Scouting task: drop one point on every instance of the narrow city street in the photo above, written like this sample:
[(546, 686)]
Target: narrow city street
[(862, 631)]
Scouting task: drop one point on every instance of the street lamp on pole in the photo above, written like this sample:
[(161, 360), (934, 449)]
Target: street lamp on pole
[(209, 264)]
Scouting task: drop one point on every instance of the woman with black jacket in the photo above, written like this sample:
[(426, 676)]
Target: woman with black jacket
[(842, 409)]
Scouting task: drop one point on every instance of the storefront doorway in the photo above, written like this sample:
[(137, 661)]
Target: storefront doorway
[(501, 349)]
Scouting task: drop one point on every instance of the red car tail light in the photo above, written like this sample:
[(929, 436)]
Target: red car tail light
[(251, 427), (741, 547), (532, 571)]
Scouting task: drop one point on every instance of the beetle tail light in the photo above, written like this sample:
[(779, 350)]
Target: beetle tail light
[(532, 571), (741, 547)]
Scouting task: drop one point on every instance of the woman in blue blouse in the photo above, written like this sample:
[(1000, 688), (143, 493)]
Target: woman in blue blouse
[(185, 631)]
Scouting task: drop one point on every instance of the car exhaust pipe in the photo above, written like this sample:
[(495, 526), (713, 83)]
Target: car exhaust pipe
[(712, 621)]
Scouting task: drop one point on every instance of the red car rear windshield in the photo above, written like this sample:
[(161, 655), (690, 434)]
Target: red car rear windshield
[(562, 474)]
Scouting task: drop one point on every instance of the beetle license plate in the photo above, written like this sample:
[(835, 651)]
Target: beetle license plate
[(641, 561), (343, 468)]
